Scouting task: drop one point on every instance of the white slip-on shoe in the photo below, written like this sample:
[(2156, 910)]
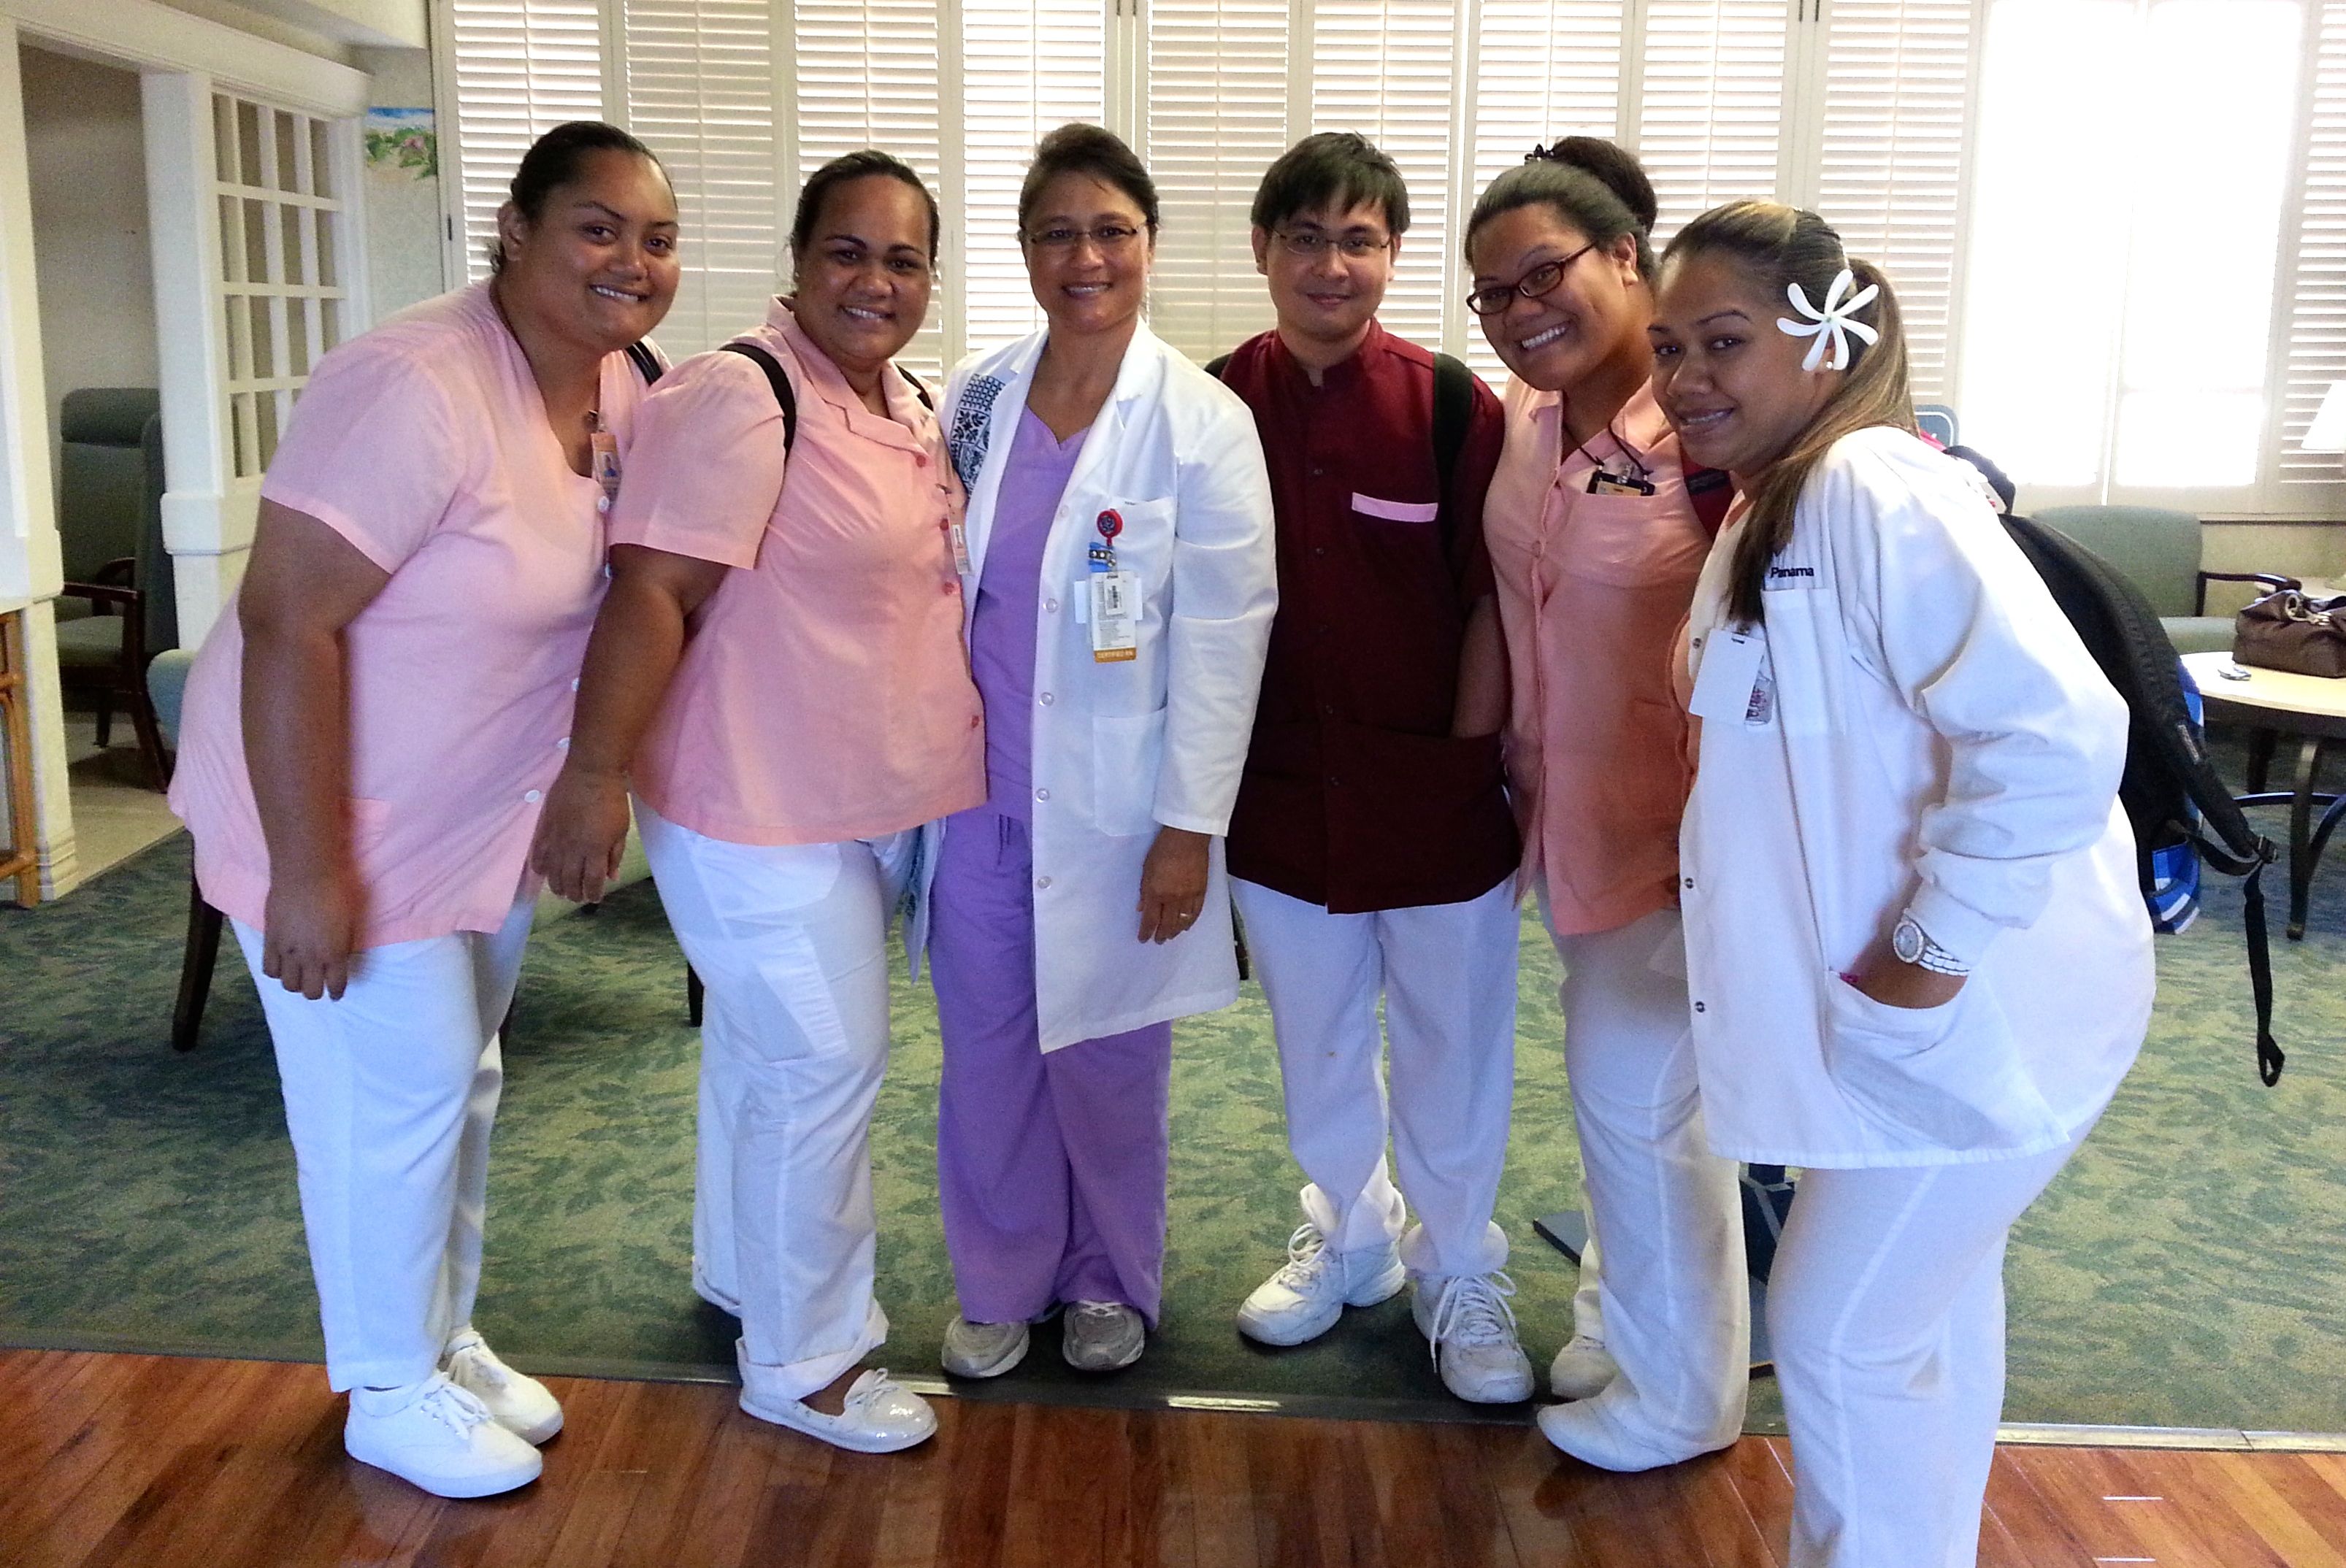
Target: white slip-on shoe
[(982, 1349), (1471, 1331), (1583, 1369), (1102, 1336), (515, 1400), (439, 1437), (880, 1415), (1311, 1289), (1588, 1431)]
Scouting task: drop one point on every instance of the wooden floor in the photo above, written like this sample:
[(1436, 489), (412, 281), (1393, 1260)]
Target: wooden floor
[(155, 1462)]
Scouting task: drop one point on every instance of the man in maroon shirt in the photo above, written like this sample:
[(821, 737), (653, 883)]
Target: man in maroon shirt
[(1373, 848)]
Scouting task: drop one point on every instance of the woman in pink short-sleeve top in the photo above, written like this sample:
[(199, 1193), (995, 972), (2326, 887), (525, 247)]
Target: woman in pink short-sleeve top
[(369, 732), (1595, 526), (778, 671)]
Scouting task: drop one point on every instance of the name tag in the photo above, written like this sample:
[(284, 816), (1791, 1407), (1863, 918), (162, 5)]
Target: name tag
[(603, 463), (1115, 615), (1602, 484), (1734, 684)]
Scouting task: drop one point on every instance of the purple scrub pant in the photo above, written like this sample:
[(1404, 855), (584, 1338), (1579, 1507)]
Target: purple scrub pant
[(1051, 1167)]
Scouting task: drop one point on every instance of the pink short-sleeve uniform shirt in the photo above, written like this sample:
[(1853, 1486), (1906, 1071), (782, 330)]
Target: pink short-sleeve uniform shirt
[(825, 693), (424, 442), (1592, 590)]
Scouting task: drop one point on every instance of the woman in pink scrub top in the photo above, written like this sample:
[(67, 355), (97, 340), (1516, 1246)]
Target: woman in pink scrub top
[(778, 672), (1596, 528), (399, 663)]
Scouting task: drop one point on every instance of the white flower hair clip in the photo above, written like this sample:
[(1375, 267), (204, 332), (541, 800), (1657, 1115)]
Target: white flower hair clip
[(1835, 321)]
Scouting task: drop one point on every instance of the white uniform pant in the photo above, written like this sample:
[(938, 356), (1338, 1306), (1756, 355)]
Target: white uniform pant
[(1885, 1309), (389, 1095), (790, 943), (1675, 1308), (1447, 972)]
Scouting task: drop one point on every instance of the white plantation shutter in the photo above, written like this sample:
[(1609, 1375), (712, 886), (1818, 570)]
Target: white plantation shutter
[(2315, 352), (1890, 169), (1542, 69), (1217, 117), (699, 92), (1712, 104), (1028, 67), (522, 67), (867, 74), (1387, 69)]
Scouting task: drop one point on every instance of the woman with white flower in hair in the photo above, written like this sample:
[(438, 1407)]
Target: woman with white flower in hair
[(1919, 963)]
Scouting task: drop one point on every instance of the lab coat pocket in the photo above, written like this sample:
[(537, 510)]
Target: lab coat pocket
[(1806, 658), (1126, 750), (1949, 1078)]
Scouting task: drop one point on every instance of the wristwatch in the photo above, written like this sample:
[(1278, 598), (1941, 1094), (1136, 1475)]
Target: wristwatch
[(1911, 944)]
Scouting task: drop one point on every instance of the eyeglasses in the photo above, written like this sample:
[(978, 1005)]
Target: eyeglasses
[(1310, 243), (1106, 237), (1541, 279)]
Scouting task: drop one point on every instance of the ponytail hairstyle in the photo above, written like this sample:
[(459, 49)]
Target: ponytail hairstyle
[(1777, 247), (1590, 183)]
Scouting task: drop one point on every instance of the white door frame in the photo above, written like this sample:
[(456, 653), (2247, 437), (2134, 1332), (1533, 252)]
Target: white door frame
[(209, 514)]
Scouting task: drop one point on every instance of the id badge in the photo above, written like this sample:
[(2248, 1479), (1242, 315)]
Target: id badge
[(960, 536), (603, 462), (1602, 484), (1734, 684), (1114, 619)]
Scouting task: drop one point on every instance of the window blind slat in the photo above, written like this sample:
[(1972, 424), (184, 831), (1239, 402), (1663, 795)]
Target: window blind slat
[(2315, 345), (523, 66)]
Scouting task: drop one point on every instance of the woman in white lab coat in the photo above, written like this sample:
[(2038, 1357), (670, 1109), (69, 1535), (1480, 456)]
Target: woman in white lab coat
[(1919, 962), (1119, 581)]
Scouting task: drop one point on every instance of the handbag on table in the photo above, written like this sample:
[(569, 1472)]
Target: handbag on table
[(2294, 631)]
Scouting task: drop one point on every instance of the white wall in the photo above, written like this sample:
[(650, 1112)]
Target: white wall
[(87, 155), (404, 255)]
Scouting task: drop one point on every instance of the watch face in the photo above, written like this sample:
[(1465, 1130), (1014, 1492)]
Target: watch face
[(1906, 941)]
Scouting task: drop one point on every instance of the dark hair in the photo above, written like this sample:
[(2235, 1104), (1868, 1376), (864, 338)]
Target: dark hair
[(558, 158), (1329, 168), (1778, 247), (845, 169), (1593, 185), (1085, 149)]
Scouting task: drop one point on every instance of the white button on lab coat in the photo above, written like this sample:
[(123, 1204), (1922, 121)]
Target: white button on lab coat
[(1154, 741)]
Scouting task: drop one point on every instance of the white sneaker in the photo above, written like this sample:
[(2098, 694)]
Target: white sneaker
[(982, 1349), (437, 1436), (880, 1415), (1583, 1369), (1102, 1336), (516, 1401), (1470, 1330), (1310, 1291)]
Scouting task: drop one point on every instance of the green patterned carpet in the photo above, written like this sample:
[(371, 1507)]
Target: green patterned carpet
[(2186, 1271)]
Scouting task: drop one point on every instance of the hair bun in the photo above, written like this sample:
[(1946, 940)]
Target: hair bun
[(1618, 170)]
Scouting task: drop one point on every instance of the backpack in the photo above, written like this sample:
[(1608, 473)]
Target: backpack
[(2183, 813), (787, 398)]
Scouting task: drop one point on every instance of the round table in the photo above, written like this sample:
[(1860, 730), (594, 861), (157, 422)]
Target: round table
[(2275, 703)]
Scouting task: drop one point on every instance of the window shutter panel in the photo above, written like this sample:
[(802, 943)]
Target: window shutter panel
[(1544, 69), (2316, 342), (1710, 112), (867, 75), (1387, 69), (1890, 178), (1217, 117), (523, 66), (1028, 67), (700, 93)]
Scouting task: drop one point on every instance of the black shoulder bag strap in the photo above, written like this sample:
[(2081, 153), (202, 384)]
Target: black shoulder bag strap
[(780, 382), (646, 363), (1453, 409)]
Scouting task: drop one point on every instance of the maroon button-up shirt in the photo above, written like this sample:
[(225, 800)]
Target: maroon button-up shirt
[(1355, 795)]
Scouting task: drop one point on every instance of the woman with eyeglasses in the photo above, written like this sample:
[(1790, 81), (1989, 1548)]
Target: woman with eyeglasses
[(1597, 529), (1119, 583)]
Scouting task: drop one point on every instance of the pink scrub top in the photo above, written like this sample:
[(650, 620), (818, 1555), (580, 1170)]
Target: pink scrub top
[(1592, 591), (424, 442), (824, 694)]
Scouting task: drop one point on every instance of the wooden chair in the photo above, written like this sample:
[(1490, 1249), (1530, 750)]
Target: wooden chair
[(110, 523), (19, 856)]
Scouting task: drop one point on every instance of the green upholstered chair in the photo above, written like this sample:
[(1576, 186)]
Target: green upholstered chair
[(167, 682), (117, 571), (2158, 551)]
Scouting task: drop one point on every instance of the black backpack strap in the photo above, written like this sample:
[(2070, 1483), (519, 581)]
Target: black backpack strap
[(775, 378), (1453, 410), (1215, 367), (920, 389), (647, 363)]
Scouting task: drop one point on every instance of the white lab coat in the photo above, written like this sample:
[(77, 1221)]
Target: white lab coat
[(1936, 737), (1122, 749)]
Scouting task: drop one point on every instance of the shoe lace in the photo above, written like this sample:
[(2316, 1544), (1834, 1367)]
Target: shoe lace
[(1473, 1311), (458, 1409), (867, 1390), (1100, 1312), (478, 1364), (1308, 1257)]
